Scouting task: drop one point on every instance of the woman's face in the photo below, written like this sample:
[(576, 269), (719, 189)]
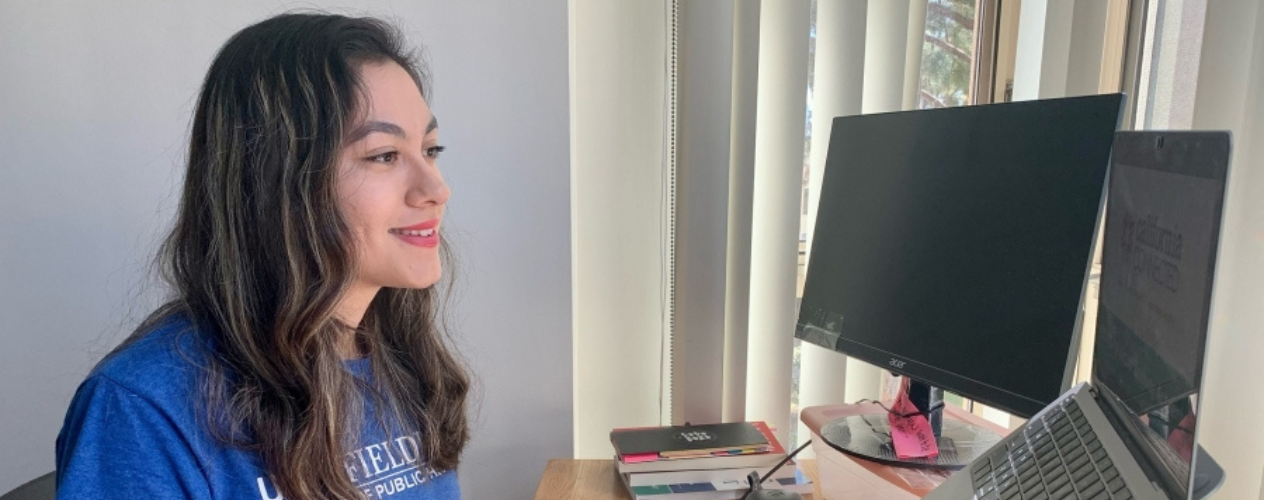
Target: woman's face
[(389, 187)]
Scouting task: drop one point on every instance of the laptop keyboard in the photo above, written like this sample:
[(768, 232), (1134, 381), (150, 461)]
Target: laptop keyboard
[(1056, 457)]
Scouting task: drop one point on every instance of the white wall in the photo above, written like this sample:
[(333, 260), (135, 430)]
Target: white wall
[(95, 102)]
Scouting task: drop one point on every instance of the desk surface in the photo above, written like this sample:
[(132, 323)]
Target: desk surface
[(596, 480)]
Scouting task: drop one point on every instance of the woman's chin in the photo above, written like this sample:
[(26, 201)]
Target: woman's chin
[(420, 282)]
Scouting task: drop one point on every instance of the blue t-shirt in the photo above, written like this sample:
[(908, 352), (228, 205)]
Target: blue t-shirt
[(134, 430)]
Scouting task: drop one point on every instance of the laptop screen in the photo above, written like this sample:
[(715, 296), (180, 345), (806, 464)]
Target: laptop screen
[(1162, 227)]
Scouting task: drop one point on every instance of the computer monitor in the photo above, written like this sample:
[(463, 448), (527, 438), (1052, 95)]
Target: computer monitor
[(953, 245)]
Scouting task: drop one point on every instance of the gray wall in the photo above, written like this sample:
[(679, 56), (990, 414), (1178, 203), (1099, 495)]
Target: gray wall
[(95, 102)]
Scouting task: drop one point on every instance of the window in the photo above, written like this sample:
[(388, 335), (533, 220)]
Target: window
[(948, 54)]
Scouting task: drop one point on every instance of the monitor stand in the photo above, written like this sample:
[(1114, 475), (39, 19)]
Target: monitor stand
[(869, 436)]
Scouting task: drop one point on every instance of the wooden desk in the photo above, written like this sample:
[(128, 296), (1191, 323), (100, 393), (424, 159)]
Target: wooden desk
[(565, 479), (860, 479)]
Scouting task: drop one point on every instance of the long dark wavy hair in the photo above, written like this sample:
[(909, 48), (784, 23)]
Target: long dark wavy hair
[(260, 255)]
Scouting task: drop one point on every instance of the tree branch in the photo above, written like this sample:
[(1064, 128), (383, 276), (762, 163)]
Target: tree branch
[(933, 100), (946, 11), (949, 48)]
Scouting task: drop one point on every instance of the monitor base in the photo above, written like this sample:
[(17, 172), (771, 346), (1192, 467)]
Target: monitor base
[(869, 437)]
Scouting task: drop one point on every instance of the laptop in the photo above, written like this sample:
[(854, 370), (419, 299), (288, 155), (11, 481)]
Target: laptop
[(1131, 432)]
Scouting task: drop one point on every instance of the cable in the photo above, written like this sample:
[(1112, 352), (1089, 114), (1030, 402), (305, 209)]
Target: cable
[(667, 220), (904, 415), (754, 485), (783, 461)]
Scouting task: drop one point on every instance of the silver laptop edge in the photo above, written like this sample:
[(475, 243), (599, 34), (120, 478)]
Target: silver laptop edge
[(1211, 316)]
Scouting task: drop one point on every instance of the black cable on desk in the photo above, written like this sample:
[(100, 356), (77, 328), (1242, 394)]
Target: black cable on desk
[(754, 486)]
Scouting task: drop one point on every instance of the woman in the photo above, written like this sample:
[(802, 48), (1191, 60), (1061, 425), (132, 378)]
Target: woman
[(300, 356)]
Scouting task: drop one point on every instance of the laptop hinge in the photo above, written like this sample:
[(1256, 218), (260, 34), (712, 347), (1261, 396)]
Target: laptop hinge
[(1143, 456)]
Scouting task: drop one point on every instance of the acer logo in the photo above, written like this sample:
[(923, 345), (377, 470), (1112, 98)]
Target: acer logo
[(896, 363)]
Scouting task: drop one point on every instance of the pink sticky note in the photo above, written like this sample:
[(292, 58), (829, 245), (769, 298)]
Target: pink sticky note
[(636, 458), (912, 436)]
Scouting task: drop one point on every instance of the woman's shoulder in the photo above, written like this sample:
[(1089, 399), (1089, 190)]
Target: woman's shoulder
[(133, 428), (161, 362)]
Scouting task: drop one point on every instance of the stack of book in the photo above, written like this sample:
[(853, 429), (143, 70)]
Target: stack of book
[(702, 462)]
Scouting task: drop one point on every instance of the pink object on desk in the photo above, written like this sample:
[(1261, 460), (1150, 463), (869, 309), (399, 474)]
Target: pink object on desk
[(637, 458), (843, 477), (911, 435)]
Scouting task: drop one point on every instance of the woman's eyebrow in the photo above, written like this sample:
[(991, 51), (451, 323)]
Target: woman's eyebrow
[(370, 127)]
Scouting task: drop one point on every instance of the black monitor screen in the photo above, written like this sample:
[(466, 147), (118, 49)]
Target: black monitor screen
[(952, 245)]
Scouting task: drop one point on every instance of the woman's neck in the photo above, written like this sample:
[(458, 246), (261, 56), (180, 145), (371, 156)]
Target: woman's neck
[(350, 310)]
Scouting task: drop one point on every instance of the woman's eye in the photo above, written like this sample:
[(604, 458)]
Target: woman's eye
[(385, 157), (433, 152)]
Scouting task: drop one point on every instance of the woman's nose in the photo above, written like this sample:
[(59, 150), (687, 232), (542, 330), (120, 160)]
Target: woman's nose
[(427, 187)]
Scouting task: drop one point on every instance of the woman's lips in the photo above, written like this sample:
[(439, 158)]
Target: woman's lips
[(425, 234)]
